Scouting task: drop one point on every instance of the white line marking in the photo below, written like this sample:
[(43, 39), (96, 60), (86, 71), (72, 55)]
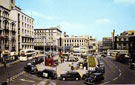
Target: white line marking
[(27, 80), (120, 74), (119, 70), (107, 82), (115, 78)]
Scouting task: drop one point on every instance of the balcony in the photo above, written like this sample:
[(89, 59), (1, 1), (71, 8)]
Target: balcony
[(13, 31), (6, 30), (2, 38)]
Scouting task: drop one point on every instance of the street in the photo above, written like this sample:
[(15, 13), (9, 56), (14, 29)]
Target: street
[(115, 73)]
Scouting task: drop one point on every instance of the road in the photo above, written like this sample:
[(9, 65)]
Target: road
[(115, 73)]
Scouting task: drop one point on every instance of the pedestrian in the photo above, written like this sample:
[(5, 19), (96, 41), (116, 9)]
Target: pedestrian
[(61, 60), (4, 62)]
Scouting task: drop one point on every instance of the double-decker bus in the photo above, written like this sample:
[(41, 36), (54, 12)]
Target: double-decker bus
[(27, 54)]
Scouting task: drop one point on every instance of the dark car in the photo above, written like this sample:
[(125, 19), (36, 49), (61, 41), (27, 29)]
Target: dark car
[(47, 73), (104, 55), (94, 78), (121, 58), (87, 75), (101, 66), (30, 68), (132, 66), (37, 60), (70, 76)]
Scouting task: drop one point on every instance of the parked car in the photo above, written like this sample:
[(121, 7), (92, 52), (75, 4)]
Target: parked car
[(72, 59), (47, 73), (121, 57), (94, 78), (87, 75), (132, 65), (101, 66), (104, 55), (30, 68), (66, 55), (70, 75), (37, 61)]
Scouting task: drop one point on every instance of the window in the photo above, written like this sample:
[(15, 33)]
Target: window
[(12, 1), (119, 44), (119, 39), (124, 44), (132, 33), (22, 17)]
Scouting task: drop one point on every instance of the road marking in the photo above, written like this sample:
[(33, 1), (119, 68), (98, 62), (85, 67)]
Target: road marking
[(119, 70), (15, 76), (115, 77), (107, 82), (119, 74), (27, 80)]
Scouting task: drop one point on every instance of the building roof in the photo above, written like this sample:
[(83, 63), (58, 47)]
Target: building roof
[(51, 28), (19, 10)]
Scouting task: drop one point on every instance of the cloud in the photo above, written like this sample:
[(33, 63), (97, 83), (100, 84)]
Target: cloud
[(70, 25), (103, 21), (73, 28), (40, 15), (125, 1)]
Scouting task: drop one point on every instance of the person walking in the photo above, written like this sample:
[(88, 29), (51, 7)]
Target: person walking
[(4, 62)]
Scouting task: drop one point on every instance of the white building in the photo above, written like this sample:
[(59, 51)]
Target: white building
[(7, 26), (25, 31), (79, 41), (48, 38)]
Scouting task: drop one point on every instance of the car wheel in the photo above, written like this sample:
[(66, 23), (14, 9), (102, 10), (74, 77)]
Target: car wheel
[(63, 79), (77, 79)]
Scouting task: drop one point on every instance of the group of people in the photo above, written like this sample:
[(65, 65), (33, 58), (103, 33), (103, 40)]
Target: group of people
[(71, 64), (61, 58)]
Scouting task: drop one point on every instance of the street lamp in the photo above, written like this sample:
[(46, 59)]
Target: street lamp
[(44, 43)]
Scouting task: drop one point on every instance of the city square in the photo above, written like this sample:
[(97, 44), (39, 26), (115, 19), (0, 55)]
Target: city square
[(50, 42)]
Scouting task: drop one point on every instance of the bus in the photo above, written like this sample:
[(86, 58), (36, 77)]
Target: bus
[(80, 51), (27, 54)]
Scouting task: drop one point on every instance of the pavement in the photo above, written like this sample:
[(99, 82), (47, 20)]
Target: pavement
[(17, 61), (62, 67), (14, 62)]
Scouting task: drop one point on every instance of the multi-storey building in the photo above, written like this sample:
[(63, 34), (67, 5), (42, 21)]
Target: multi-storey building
[(7, 26), (78, 41), (107, 43), (126, 41), (47, 38), (122, 41), (25, 31)]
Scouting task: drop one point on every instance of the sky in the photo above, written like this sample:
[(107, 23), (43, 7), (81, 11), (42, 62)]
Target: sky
[(97, 18)]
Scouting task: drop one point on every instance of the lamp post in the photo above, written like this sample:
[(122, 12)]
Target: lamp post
[(44, 43)]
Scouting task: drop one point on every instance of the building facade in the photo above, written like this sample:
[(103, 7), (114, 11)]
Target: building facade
[(16, 28), (122, 41), (47, 38), (107, 44), (25, 31), (78, 41), (126, 41), (7, 26)]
